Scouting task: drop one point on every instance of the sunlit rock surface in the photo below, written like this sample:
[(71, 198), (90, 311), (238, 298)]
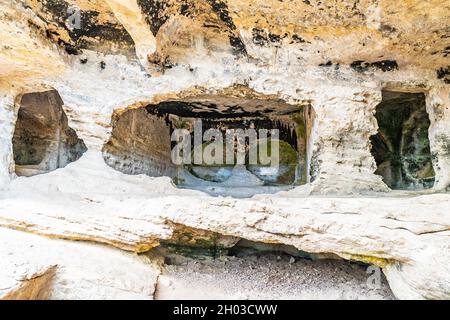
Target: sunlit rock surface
[(74, 270)]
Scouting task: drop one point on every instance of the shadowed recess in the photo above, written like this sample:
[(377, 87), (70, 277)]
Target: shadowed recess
[(141, 142), (401, 147), (43, 140)]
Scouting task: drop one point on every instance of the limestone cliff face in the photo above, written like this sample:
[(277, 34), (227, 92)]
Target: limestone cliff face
[(338, 58)]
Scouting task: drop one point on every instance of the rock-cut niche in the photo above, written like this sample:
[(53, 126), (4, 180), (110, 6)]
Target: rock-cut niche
[(401, 147), (43, 140), (141, 142)]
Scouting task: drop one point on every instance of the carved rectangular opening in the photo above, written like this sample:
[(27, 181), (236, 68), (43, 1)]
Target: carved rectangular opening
[(43, 140), (142, 143)]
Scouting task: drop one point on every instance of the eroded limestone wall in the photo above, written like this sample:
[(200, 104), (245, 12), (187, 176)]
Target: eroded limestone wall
[(341, 161)]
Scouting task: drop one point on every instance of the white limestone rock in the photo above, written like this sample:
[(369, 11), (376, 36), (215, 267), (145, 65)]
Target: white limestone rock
[(58, 269)]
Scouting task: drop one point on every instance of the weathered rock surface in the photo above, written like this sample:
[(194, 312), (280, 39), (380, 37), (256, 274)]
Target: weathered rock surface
[(269, 277), (84, 222), (400, 234), (347, 31)]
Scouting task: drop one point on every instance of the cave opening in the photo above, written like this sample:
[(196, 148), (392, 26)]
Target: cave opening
[(401, 147), (142, 143), (43, 140)]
